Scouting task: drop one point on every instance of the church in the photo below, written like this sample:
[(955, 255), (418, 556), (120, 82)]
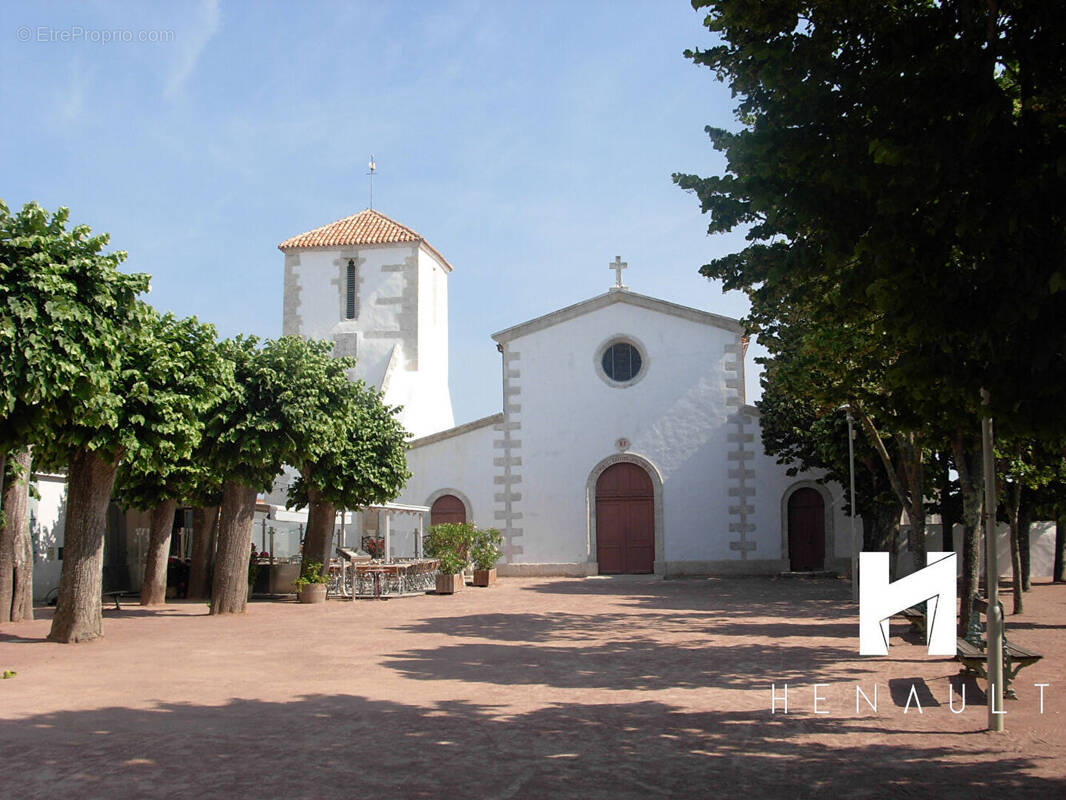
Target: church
[(623, 444)]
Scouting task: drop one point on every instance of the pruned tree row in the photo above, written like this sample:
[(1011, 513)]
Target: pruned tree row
[(898, 171), (153, 411)]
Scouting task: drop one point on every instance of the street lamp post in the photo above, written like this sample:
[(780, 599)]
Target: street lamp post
[(994, 667)]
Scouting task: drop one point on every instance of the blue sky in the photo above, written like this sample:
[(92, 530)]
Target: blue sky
[(530, 143)]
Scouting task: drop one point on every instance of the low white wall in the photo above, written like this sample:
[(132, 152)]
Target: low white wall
[(1041, 549), (455, 462)]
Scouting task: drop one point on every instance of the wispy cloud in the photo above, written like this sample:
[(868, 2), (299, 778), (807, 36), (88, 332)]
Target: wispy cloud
[(191, 43), (71, 102)]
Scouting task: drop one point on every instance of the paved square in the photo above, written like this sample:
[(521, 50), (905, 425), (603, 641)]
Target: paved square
[(594, 688)]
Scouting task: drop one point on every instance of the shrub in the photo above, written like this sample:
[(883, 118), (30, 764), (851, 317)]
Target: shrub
[(312, 574), (486, 548), (450, 543)]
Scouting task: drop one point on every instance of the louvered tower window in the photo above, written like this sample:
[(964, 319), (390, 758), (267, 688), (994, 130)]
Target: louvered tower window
[(349, 312)]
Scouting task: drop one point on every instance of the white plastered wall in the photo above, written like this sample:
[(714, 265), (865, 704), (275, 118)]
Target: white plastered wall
[(400, 333), (455, 463)]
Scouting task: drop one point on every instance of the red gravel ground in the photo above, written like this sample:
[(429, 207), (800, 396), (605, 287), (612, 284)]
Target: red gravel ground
[(597, 688)]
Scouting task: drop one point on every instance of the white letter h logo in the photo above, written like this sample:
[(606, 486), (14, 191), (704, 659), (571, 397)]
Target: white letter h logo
[(879, 600)]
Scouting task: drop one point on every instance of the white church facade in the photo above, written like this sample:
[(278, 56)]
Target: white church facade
[(623, 443)]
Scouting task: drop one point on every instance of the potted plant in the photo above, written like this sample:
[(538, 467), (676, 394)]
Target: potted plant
[(485, 553), (311, 586), (375, 546), (450, 543)]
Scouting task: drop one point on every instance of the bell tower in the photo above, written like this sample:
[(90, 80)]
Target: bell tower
[(379, 292)]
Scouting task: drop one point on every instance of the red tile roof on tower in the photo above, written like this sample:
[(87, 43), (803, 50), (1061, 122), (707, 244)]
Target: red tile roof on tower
[(366, 227)]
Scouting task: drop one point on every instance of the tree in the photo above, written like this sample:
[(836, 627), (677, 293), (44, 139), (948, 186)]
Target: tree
[(292, 405), (158, 392), (898, 165), (68, 312), (808, 435), (177, 363), (1028, 472), (908, 154), (829, 362), (368, 465)]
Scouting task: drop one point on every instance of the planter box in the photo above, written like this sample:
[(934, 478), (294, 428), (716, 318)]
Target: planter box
[(281, 577), (484, 577), (313, 593), (449, 584)]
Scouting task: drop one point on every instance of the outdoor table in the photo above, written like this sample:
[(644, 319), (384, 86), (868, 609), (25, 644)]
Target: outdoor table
[(392, 578), (378, 573)]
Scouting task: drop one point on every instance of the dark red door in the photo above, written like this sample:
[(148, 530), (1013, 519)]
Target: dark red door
[(625, 520), (806, 531), (447, 508)]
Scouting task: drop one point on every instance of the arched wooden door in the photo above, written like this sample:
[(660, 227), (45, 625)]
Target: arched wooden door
[(625, 520), (806, 531), (447, 508)]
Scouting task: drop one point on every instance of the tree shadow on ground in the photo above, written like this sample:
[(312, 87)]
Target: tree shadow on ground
[(1012, 623), (755, 596), (533, 627), (913, 692), (635, 663), (349, 746)]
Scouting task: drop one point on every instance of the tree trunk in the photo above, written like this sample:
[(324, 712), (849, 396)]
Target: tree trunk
[(89, 483), (971, 572), (318, 541), (968, 464), (911, 460), (16, 567), (1059, 572), (154, 585), (7, 545), (880, 525), (22, 584), (204, 527), (229, 585), (1013, 501), (1025, 521), (907, 480)]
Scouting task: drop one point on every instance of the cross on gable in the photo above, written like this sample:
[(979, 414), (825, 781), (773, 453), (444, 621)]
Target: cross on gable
[(618, 265)]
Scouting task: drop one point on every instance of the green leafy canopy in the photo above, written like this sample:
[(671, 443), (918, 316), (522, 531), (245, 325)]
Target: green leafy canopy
[(899, 165), (292, 404), (174, 375), (66, 313)]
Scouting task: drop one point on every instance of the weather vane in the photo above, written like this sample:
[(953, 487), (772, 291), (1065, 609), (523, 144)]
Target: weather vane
[(373, 169)]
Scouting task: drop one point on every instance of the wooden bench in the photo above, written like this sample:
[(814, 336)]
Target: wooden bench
[(972, 652), (974, 661)]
